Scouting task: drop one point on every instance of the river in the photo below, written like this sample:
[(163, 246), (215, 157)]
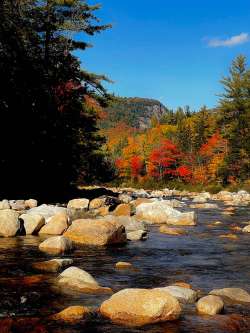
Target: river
[(200, 258)]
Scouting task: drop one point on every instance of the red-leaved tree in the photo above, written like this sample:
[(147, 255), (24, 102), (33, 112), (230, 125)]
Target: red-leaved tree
[(163, 160)]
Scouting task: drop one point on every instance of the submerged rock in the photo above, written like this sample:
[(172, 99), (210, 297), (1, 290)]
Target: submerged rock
[(9, 223), (138, 307), (210, 305), (32, 223), (53, 265), (229, 236), (161, 212), (123, 265), (72, 314), (204, 206), (96, 232), (56, 245), (235, 294), (172, 231)]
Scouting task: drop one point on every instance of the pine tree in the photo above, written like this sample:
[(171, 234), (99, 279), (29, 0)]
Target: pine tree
[(51, 133), (235, 119), (201, 128)]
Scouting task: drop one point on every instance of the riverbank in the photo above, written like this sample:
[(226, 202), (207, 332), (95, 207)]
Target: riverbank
[(193, 241)]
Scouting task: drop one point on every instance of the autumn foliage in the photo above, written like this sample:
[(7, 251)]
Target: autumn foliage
[(156, 154)]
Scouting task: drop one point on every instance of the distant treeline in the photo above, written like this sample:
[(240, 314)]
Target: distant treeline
[(183, 146)]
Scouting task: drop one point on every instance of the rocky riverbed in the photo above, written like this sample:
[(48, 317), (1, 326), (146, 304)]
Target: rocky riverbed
[(134, 261)]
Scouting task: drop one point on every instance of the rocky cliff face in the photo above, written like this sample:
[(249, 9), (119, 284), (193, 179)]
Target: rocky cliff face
[(135, 112)]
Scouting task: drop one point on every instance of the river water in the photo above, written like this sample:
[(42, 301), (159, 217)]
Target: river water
[(200, 258)]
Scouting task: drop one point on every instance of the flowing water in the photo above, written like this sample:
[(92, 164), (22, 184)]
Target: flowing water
[(200, 258)]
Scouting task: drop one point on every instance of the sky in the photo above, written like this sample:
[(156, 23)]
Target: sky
[(175, 51)]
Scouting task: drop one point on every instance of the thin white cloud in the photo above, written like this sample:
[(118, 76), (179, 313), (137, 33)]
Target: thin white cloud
[(229, 42)]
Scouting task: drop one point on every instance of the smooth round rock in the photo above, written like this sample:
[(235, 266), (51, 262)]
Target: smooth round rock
[(210, 305)]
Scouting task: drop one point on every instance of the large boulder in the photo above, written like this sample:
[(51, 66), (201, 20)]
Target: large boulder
[(161, 212), (184, 295), (30, 203), (234, 294), (102, 211), (47, 211), (79, 274), (97, 203), (96, 232), (53, 265), (77, 279), (56, 225), (56, 245), (9, 223), (78, 209), (32, 223), (138, 307), (210, 305), (4, 204), (122, 210)]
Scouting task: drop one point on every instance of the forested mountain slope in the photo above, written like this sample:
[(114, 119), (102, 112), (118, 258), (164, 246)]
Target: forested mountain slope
[(133, 111)]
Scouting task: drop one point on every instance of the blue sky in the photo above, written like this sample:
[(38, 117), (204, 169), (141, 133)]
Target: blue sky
[(171, 50)]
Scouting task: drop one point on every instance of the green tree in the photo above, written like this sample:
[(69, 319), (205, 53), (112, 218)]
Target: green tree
[(52, 135), (201, 127), (235, 119)]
